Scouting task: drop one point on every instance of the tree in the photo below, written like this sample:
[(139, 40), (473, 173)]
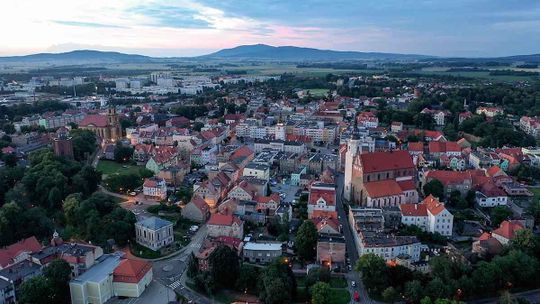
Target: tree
[(36, 290), (373, 269), (58, 274), (306, 240), (320, 293), (414, 291), (499, 214), (525, 240), (224, 266), (193, 266), (10, 159), (122, 153), (247, 279), (435, 188), (84, 143), (390, 295), (277, 283)]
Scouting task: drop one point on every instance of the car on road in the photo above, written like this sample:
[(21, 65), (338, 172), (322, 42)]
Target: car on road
[(353, 283), (133, 193), (356, 296)]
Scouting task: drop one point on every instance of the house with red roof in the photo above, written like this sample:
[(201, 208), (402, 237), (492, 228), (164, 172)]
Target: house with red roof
[(225, 225), (154, 187), (327, 226), (490, 195), (19, 251), (461, 181), (449, 148), (196, 210), (131, 277), (268, 204), (507, 231), (243, 191), (322, 200), (430, 215)]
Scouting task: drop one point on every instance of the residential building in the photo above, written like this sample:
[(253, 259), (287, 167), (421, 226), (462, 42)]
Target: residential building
[(430, 215), (489, 195), (225, 225), (259, 171), (155, 187), (322, 200), (196, 210), (530, 125), (261, 252), (331, 250), (19, 251)]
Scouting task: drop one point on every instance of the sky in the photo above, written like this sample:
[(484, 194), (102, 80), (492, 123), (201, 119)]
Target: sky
[(165, 28)]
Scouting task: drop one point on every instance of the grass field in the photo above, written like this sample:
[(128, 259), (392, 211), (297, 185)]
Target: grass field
[(317, 92), (108, 167), (474, 74)]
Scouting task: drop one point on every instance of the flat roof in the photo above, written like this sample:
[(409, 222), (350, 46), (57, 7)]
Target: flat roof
[(104, 267), (262, 246)]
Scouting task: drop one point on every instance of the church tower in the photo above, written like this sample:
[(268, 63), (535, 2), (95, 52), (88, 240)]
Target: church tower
[(113, 123), (353, 147)]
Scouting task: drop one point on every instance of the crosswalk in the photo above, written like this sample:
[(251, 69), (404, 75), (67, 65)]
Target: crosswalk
[(175, 284)]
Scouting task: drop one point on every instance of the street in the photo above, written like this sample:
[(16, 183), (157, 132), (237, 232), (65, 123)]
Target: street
[(351, 247)]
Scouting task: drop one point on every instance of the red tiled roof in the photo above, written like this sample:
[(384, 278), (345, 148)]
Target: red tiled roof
[(243, 151), (407, 185), (449, 177), (223, 220), (274, 197), (382, 188), (484, 236), (489, 189), (94, 119), (7, 254), (493, 170), (386, 161), (508, 229), (443, 146), (416, 146), (131, 271), (320, 223), (433, 205), (8, 150), (328, 195), (199, 203), (413, 209)]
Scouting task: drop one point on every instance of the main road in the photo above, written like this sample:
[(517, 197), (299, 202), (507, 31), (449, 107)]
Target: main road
[(351, 246)]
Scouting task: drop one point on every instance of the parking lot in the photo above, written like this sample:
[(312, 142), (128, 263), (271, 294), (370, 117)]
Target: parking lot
[(289, 192)]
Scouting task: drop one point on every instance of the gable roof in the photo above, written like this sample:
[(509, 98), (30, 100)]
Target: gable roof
[(7, 254), (386, 161), (433, 205), (223, 219), (199, 203), (326, 192), (413, 209), (94, 119), (443, 146), (382, 188), (508, 229)]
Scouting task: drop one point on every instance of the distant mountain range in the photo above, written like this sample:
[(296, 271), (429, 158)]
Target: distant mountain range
[(255, 52), (78, 56), (293, 53)]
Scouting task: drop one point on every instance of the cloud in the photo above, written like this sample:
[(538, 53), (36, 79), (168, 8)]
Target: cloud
[(87, 24), (171, 16)]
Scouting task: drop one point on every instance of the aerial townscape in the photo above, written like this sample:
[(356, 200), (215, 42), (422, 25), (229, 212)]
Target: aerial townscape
[(267, 174)]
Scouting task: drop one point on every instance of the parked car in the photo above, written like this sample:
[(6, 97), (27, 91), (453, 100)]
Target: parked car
[(353, 283)]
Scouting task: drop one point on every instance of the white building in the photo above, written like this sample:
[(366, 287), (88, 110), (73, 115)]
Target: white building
[(430, 215), (155, 187), (259, 171), (266, 252), (154, 233)]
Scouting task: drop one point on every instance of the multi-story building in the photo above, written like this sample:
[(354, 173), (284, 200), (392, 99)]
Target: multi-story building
[(430, 215), (530, 125), (322, 200), (259, 171), (225, 225), (261, 252), (154, 233), (155, 187)]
